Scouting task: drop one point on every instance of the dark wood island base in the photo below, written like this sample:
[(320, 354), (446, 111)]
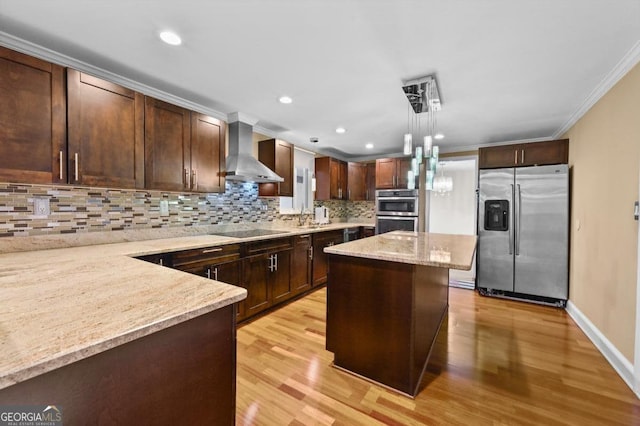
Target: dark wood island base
[(383, 318)]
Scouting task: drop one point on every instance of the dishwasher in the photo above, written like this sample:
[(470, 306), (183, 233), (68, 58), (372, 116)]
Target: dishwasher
[(351, 234)]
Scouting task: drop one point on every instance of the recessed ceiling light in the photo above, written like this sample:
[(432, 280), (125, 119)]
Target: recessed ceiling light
[(341, 130), (171, 38), (285, 100), (439, 136), (369, 146)]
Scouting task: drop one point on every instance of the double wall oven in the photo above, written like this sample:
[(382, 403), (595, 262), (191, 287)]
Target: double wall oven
[(396, 210)]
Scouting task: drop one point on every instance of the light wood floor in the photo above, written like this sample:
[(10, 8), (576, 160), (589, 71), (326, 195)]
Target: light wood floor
[(497, 362)]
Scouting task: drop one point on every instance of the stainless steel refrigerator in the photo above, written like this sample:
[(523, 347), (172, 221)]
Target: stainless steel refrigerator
[(523, 233)]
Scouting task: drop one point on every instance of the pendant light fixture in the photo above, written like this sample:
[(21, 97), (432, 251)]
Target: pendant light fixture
[(424, 101)]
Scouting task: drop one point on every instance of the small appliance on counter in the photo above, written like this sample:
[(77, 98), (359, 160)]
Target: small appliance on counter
[(322, 215)]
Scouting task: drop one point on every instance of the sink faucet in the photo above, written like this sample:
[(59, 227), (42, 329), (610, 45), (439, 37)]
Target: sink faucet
[(300, 221)]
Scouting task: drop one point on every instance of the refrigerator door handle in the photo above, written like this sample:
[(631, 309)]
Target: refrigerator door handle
[(511, 224), (519, 209)]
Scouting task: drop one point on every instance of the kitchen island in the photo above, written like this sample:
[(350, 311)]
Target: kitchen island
[(386, 299)]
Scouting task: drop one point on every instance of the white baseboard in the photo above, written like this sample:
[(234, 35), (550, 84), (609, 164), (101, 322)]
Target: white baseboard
[(623, 367)]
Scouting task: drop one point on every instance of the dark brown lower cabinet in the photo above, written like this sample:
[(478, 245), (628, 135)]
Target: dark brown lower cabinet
[(301, 264), (184, 374), (320, 241), (256, 272), (230, 273)]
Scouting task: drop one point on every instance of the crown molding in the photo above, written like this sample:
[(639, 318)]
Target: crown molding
[(628, 61), (49, 55)]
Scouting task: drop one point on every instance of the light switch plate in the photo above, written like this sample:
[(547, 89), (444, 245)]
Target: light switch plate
[(41, 207), (164, 207)]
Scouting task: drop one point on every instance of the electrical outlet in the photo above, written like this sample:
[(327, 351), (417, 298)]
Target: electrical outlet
[(164, 207), (41, 207)]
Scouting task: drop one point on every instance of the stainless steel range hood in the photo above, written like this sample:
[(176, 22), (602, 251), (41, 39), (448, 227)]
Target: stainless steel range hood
[(241, 164)]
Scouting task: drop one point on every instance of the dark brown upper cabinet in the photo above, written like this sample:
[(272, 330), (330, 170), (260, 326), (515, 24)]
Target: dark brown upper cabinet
[(391, 173), (167, 130), (105, 126), (331, 179), (371, 182), (357, 180), (207, 153), (524, 154), (278, 156), (32, 120)]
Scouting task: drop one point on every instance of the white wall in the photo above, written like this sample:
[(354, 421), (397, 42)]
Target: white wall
[(455, 213)]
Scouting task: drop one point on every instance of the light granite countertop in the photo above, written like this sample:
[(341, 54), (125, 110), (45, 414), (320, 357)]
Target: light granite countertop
[(417, 248), (62, 305)]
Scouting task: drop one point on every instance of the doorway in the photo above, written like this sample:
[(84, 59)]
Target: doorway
[(455, 211)]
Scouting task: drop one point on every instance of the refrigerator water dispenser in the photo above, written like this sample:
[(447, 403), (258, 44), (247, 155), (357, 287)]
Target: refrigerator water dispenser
[(496, 215)]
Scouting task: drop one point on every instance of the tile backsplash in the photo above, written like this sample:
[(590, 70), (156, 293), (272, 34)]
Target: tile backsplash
[(81, 209)]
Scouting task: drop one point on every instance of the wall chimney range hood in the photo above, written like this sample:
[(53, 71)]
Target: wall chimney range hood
[(241, 164)]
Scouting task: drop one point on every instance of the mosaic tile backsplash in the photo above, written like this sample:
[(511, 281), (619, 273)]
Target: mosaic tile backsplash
[(82, 209)]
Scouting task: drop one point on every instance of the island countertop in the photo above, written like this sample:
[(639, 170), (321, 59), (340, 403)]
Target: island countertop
[(416, 248), (62, 305)]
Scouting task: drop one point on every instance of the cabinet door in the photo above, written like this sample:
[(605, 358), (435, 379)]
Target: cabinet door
[(543, 153), (386, 173), (230, 273), (335, 189), (320, 241), (32, 120), (256, 276), (105, 124), (301, 264), (167, 146), (207, 153), (403, 166), (370, 192), (344, 180), (498, 156), (280, 279), (284, 167), (356, 179)]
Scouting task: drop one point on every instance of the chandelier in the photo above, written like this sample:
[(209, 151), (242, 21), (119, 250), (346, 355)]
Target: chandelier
[(442, 185), (424, 102)]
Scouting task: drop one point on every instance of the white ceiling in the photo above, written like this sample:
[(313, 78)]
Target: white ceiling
[(507, 70)]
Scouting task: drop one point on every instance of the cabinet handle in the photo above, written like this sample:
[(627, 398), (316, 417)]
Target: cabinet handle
[(186, 178), (215, 273), (161, 262), (211, 250), (522, 157), (208, 273), (276, 262), (270, 263), (311, 252), (61, 154), (515, 157), (194, 179), (305, 236), (76, 168), (349, 194)]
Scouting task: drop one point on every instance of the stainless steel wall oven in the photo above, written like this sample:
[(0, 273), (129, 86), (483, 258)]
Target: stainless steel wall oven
[(396, 210)]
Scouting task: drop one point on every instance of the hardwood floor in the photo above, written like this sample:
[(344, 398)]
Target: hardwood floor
[(499, 362)]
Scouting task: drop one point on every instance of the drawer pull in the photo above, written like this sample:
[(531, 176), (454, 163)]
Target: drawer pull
[(211, 250)]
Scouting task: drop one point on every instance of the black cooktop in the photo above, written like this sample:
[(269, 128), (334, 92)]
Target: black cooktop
[(247, 233)]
